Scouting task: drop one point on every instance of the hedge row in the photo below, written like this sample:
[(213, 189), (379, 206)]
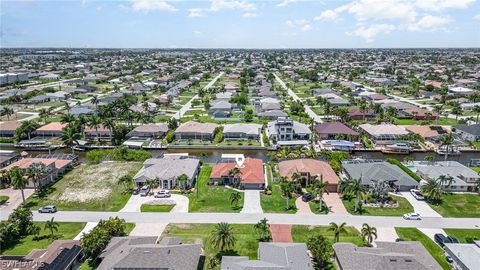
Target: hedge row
[(405, 169)]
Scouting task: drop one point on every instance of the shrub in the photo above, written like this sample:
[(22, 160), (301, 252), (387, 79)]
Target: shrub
[(169, 137)]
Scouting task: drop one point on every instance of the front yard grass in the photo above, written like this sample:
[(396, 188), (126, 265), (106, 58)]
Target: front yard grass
[(246, 245), (66, 230), (156, 208), (275, 203), (301, 233), (89, 188), (459, 205), (211, 198), (3, 199), (403, 208), (413, 234), (464, 235)]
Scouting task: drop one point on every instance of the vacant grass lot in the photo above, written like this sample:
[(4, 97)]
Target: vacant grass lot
[(463, 234), (66, 230), (89, 188), (301, 233), (403, 208), (459, 205), (275, 203), (156, 208), (211, 198), (413, 234), (247, 241)]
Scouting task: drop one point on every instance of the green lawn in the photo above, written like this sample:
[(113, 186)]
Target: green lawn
[(246, 245), (193, 112), (3, 199), (156, 208), (301, 233), (403, 208), (413, 234), (129, 227), (459, 205), (275, 203), (211, 198), (443, 121), (477, 169), (315, 207), (66, 230), (463, 234), (88, 188)]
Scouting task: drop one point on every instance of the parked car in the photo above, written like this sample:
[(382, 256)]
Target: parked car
[(449, 259), (48, 209), (307, 197), (441, 239), (136, 191), (144, 191), (416, 194), (399, 240), (453, 239), (412, 216), (163, 194)]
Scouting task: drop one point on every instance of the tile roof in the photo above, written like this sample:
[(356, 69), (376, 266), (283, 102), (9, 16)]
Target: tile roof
[(54, 126), (334, 128), (252, 171), (192, 126), (26, 162), (312, 166), (10, 125)]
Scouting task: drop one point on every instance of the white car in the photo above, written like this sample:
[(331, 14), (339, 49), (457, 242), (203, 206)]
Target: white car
[(412, 216), (163, 194), (416, 194)]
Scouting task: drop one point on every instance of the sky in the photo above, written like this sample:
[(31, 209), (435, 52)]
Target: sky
[(240, 23)]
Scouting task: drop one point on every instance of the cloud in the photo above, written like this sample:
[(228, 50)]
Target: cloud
[(195, 12), (285, 3), (302, 24), (327, 15), (364, 10), (429, 23), (369, 33), (198, 33), (477, 17), (439, 5), (152, 5), (249, 15), (218, 5)]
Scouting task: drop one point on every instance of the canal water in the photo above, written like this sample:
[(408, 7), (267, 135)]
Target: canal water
[(213, 155)]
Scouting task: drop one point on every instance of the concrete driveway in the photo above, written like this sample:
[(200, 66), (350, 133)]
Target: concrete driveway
[(335, 204), (251, 202), (386, 234), (15, 197), (88, 227), (148, 229), (430, 232), (302, 207), (420, 207), (136, 201)]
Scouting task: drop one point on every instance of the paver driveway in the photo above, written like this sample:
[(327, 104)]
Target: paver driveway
[(15, 197), (281, 233), (335, 204), (302, 207)]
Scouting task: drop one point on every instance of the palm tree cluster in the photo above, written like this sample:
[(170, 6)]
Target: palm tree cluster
[(7, 111), (354, 188), (297, 152)]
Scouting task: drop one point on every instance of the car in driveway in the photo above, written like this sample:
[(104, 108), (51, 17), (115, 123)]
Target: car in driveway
[(452, 239), (416, 194), (307, 197), (441, 239), (144, 191), (48, 209), (412, 216), (163, 194)]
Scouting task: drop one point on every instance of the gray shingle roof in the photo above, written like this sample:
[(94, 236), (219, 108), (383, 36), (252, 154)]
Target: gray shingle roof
[(167, 168), (379, 171)]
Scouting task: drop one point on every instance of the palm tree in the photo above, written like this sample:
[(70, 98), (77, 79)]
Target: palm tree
[(320, 188), (7, 111), (296, 178), (67, 118), (182, 180), (94, 122), (446, 140), (456, 110), (446, 180), (52, 226), (287, 189), (235, 197), (356, 188), (70, 137), (35, 171), (44, 113), (18, 181), (234, 173), (438, 110), (222, 237), (28, 127), (476, 109), (263, 230), (110, 125), (95, 102), (151, 183), (337, 230), (432, 190), (368, 232)]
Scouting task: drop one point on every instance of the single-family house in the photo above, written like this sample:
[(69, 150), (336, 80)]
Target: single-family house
[(149, 131), (463, 178), (220, 109), (383, 133), (8, 128), (335, 130), (251, 174), (468, 132), (196, 131), (357, 114), (242, 131), (272, 114), (309, 168), (464, 256), (167, 170), (52, 129), (285, 131)]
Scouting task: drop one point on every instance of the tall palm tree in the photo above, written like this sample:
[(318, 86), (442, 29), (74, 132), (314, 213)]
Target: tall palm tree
[(18, 181), (44, 113), (356, 188), (438, 110), (35, 171), (296, 178), (95, 102), (70, 137), (28, 127), (52, 226), (182, 180), (446, 180), (476, 110), (7, 111), (110, 125), (222, 237), (456, 110), (151, 183), (368, 232), (67, 118), (432, 190), (263, 230), (94, 122), (234, 173), (235, 197), (320, 188), (287, 189), (337, 230), (446, 140)]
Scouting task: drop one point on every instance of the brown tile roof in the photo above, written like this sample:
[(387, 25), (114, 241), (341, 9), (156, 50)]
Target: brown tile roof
[(426, 131), (334, 128), (252, 171), (54, 126), (192, 126), (312, 166), (26, 162), (10, 125)]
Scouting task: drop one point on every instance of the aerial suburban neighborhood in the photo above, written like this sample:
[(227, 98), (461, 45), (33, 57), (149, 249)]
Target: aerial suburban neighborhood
[(236, 159)]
